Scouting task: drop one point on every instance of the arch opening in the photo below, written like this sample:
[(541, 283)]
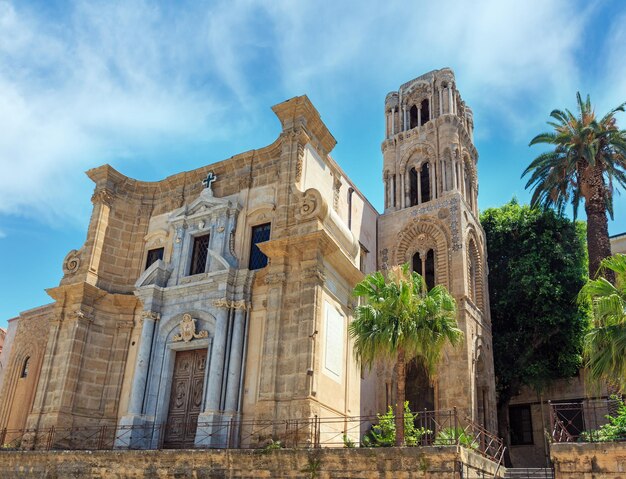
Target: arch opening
[(425, 183), (425, 111), (413, 117), (425, 266), (413, 187), (25, 368), (419, 392)]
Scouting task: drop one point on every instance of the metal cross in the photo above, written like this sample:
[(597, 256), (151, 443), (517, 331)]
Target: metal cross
[(209, 179)]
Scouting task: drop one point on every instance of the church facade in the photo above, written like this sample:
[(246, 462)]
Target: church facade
[(224, 293)]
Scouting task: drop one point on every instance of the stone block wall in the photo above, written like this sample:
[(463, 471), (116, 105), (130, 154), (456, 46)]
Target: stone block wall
[(602, 460), (405, 463)]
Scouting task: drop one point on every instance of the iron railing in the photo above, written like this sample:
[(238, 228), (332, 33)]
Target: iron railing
[(581, 421), (439, 428)]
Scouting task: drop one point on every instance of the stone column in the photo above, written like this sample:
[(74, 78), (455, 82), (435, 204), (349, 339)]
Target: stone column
[(140, 378), (440, 102), (213, 429), (403, 118), (132, 426), (236, 355), (419, 186), (450, 100), (216, 371), (419, 117), (393, 121), (402, 192)]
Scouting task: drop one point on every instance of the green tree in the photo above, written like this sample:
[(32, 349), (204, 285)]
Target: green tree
[(588, 160), (400, 321), (537, 266), (605, 343)]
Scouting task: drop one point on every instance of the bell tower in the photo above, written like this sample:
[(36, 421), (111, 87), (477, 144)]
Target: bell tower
[(431, 221)]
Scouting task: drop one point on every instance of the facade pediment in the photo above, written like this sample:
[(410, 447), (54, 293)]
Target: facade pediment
[(205, 205)]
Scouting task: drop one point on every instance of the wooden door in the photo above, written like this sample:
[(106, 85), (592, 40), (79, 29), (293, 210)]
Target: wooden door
[(185, 398)]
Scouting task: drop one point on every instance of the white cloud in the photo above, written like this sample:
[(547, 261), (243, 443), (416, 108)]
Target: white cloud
[(508, 56), (613, 86), (115, 79), (109, 80)]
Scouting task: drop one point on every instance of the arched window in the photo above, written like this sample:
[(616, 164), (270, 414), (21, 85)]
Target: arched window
[(25, 367), (412, 187), (425, 182), (474, 275), (425, 267), (425, 112), (413, 117), (469, 189)]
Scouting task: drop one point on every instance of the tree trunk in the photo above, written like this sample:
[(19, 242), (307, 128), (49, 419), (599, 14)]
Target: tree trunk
[(400, 395), (504, 426), (598, 243)]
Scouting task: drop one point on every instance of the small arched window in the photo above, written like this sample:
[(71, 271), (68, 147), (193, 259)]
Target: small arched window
[(25, 367), (413, 117), (425, 266), (412, 187), (472, 278), (425, 182), (474, 275), (425, 112), (469, 187)]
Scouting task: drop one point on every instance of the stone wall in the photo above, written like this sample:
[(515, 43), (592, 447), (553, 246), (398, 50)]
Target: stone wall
[(589, 460), (406, 463)]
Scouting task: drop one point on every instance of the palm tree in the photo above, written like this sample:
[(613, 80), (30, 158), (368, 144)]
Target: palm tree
[(401, 321), (589, 157), (605, 344)]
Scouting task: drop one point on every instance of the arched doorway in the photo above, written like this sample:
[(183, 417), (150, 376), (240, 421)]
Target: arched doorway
[(419, 392)]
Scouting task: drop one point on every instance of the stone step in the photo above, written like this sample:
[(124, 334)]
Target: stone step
[(528, 473)]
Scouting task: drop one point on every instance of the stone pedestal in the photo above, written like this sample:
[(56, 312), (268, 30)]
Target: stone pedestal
[(136, 431), (217, 430)]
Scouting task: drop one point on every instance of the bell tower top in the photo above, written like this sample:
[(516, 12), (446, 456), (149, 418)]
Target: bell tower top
[(428, 151), (425, 98)]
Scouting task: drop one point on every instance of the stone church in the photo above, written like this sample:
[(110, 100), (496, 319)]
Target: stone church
[(224, 293)]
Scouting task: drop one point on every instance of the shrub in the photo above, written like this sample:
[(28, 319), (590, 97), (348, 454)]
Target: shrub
[(383, 434), (450, 436), (615, 430)]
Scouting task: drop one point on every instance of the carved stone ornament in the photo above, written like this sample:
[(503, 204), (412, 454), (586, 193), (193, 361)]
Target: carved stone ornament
[(299, 162), (336, 189), (225, 303), (80, 314), (150, 315), (102, 196), (311, 204), (71, 263), (314, 273), (275, 278), (188, 330)]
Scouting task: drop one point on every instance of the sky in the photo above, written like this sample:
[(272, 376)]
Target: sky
[(157, 88)]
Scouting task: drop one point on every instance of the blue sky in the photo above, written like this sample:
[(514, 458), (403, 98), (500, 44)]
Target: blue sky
[(157, 88)]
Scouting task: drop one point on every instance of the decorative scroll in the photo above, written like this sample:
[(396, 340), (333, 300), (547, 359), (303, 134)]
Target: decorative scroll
[(188, 330), (311, 204), (71, 263)]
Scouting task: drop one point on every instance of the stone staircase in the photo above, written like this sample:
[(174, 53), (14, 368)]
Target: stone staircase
[(528, 473)]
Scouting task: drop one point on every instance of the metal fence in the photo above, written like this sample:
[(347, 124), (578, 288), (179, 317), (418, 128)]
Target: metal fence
[(581, 421), (436, 428)]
